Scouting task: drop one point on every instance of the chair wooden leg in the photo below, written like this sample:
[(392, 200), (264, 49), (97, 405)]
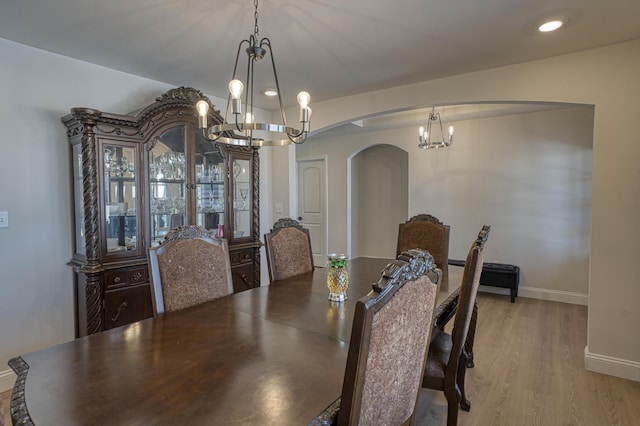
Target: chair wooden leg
[(471, 335), (452, 412), (453, 395), (462, 369)]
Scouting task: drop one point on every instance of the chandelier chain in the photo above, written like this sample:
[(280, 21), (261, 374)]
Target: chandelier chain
[(256, 31)]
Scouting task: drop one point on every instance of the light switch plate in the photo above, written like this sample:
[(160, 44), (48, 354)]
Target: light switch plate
[(279, 207), (4, 219)]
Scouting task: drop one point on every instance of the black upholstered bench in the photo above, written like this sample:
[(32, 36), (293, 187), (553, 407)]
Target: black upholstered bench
[(498, 275)]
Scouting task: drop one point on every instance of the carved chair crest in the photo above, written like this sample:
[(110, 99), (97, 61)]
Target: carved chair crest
[(187, 232), (286, 222), (425, 218), (409, 266)]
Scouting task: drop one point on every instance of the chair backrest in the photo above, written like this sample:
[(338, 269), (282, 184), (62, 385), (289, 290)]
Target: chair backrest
[(467, 298), (188, 268), (288, 248), (428, 233), (388, 347)]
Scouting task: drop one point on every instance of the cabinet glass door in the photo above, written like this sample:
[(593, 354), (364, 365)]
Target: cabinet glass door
[(210, 196), (119, 166), (167, 174), (242, 197)]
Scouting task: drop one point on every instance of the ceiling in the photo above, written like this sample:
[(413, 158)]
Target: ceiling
[(331, 48)]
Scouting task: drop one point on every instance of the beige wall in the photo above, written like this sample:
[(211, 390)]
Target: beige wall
[(606, 78)]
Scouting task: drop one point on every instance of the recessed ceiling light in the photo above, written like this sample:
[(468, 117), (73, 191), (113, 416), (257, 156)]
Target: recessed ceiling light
[(270, 92), (550, 26)]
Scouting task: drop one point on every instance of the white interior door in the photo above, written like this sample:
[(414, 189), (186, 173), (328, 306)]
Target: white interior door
[(311, 206)]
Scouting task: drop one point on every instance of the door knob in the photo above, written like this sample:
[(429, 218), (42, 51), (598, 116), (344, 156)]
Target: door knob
[(299, 217)]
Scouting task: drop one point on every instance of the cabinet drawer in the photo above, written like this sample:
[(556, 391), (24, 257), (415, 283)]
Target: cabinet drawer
[(126, 277), (241, 257), (243, 277), (127, 305)]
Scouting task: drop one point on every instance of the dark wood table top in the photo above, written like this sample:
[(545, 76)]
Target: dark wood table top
[(274, 355)]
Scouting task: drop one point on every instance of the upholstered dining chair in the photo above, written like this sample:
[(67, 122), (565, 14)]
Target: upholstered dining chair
[(428, 233), (447, 359), (189, 267), (288, 248), (387, 350)]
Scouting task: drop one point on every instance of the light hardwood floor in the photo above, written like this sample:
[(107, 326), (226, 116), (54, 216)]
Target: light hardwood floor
[(529, 359), (529, 371), (4, 408)]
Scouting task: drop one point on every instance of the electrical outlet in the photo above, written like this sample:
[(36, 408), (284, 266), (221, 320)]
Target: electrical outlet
[(279, 207), (4, 219)]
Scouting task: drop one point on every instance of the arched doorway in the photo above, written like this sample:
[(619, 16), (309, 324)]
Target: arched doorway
[(378, 186)]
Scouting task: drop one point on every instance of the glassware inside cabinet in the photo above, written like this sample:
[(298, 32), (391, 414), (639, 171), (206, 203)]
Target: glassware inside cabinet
[(242, 198), (167, 178), (210, 196), (119, 166)]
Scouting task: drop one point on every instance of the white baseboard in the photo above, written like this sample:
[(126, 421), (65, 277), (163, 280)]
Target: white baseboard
[(542, 294), (611, 366), (7, 379)]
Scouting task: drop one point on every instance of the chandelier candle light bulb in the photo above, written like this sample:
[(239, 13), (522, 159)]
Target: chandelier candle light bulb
[(248, 119), (303, 99), (235, 89), (203, 108)]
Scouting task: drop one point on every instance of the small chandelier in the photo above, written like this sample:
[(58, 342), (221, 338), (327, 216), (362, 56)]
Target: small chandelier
[(254, 134), (428, 140)]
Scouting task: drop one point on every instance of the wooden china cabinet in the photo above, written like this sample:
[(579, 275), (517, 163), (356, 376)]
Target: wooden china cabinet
[(137, 176)]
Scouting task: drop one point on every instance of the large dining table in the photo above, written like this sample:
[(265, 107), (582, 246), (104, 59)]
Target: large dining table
[(273, 355)]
